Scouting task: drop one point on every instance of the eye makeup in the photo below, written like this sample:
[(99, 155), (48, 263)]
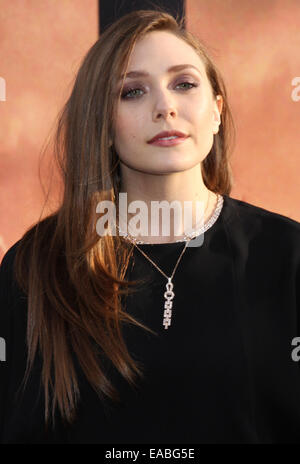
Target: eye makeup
[(188, 81)]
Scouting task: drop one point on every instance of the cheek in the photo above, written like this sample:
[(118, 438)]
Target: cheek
[(128, 126), (201, 115)]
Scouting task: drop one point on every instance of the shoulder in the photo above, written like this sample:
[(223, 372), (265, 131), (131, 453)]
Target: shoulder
[(262, 221), (250, 211), (261, 235), (8, 259), (8, 283), (43, 229), (24, 249)]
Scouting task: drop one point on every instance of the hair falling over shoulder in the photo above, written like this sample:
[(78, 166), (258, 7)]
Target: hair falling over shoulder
[(73, 278)]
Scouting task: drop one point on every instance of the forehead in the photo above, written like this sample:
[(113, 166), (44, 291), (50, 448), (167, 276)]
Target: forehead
[(159, 50)]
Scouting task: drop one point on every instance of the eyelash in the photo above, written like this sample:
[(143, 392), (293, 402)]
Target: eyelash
[(129, 90)]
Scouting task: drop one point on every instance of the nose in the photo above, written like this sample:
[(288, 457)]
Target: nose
[(164, 108), (165, 114)]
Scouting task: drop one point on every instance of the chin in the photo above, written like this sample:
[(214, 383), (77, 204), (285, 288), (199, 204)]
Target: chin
[(165, 168), (177, 163)]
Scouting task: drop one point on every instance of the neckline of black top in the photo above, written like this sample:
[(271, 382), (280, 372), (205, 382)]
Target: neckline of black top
[(223, 216)]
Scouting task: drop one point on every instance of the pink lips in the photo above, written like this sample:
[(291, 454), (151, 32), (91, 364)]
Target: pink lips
[(169, 143), (157, 139)]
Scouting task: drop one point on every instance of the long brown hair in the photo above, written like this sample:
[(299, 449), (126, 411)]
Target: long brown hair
[(74, 279)]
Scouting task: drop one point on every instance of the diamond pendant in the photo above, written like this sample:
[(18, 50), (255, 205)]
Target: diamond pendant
[(169, 295)]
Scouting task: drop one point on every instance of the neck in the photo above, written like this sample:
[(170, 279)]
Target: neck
[(147, 223)]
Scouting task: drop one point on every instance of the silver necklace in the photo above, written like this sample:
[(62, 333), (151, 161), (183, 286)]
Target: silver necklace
[(169, 293), (193, 234)]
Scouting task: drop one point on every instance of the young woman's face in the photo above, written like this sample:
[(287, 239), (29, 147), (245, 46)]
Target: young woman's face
[(179, 100)]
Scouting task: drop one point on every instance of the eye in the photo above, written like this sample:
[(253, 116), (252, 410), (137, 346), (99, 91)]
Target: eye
[(188, 83), (130, 93)]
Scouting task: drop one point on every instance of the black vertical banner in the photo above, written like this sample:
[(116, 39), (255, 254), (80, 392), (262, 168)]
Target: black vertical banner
[(111, 10)]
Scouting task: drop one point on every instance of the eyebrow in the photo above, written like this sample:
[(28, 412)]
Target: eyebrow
[(177, 67)]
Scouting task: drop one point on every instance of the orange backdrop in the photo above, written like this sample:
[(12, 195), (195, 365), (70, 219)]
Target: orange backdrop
[(255, 44)]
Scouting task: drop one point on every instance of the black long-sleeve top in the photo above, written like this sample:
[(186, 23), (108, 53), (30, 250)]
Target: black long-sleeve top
[(225, 371)]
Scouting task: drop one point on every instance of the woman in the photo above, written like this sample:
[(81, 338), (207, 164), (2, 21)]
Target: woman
[(150, 340)]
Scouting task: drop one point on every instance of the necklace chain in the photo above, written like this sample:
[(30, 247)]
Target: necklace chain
[(162, 272), (169, 294)]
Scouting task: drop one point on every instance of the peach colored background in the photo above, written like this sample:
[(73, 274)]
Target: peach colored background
[(41, 45), (255, 43)]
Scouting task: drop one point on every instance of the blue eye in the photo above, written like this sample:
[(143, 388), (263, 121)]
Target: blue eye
[(130, 91), (127, 92), (188, 83)]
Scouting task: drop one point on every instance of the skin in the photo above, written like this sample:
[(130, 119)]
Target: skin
[(163, 101)]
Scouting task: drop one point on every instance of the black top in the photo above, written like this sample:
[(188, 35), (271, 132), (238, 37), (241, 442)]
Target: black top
[(223, 372)]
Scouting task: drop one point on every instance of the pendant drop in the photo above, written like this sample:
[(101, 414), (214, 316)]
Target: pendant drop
[(169, 295)]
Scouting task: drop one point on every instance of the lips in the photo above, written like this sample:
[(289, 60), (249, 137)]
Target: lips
[(171, 133)]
